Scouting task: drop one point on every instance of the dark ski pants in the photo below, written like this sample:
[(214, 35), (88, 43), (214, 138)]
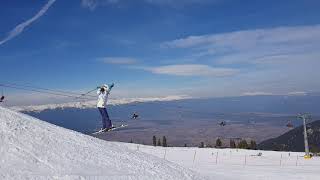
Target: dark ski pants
[(106, 122)]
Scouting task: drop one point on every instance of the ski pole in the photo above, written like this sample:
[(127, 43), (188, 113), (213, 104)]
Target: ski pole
[(87, 93)]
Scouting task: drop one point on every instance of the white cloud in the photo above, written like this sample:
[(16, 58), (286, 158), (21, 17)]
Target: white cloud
[(256, 94), (275, 60), (19, 29), (260, 93), (298, 93), (175, 2), (93, 4), (254, 46), (118, 60), (249, 38), (192, 70)]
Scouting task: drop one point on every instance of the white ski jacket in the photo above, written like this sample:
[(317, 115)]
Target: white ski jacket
[(103, 97)]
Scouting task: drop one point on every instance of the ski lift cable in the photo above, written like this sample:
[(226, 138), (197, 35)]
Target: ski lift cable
[(45, 89), (39, 88), (39, 91), (33, 90), (87, 93)]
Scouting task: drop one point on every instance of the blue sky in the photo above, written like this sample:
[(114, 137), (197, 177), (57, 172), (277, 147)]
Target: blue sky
[(200, 48)]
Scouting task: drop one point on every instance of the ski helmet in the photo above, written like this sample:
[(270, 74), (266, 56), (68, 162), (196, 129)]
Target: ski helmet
[(106, 87)]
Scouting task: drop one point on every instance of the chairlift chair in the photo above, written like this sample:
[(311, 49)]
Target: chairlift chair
[(2, 96), (222, 123), (134, 116), (290, 125)]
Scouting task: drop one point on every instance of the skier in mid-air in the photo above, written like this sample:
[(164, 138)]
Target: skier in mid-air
[(103, 93)]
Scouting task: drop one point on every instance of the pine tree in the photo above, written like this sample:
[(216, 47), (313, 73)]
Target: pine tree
[(164, 141), (209, 146), (201, 145), (253, 145), (243, 144), (232, 144), (314, 149), (159, 142), (218, 143), (154, 141)]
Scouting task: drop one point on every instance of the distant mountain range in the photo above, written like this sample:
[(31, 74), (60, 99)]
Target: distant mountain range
[(275, 104), (92, 103), (294, 141)]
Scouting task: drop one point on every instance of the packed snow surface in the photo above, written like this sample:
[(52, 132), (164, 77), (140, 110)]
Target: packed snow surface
[(34, 149), (239, 164)]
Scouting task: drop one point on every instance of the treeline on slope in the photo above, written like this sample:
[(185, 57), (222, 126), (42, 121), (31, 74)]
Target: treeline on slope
[(242, 143), (293, 140), (234, 143), (238, 143), (159, 143)]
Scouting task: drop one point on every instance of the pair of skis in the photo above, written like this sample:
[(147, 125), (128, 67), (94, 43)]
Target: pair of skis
[(111, 129)]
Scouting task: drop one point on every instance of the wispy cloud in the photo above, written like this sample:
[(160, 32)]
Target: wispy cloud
[(248, 38), (298, 93), (93, 4), (19, 29), (254, 46), (275, 60), (175, 2), (118, 60), (192, 70), (256, 94)]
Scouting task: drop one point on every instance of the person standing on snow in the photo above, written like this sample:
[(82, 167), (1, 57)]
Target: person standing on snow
[(103, 93)]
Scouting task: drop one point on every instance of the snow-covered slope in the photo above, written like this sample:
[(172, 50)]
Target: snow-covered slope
[(239, 164), (33, 149)]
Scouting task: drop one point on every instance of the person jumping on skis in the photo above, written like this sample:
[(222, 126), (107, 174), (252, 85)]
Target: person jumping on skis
[(103, 93)]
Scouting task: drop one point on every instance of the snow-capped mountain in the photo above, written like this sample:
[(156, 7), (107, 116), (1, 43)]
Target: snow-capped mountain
[(34, 149), (92, 104)]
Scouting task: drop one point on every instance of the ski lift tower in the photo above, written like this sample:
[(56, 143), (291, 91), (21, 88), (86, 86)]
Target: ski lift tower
[(304, 117)]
